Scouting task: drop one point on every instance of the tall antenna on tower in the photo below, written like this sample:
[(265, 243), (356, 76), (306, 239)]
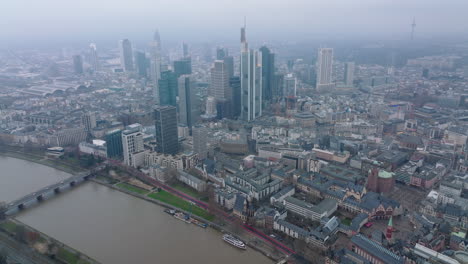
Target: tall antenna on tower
[(413, 26)]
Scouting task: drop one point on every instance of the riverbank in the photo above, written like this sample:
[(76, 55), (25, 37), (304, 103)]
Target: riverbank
[(253, 242)]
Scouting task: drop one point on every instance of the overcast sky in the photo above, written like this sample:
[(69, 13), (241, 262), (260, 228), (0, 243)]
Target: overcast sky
[(26, 20)]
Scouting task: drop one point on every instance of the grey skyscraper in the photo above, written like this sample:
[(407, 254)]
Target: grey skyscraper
[(167, 88), (141, 63), (235, 86), (126, 55), (219, 86), (167, 140), (88, 120), (349, 73), (268, 73), (290, 88), (183, 66), (200, 134), (229, 62), (155, 63), (324, 69), (185, 50), (132, 142), (251, 81), (188, 110), (221, 53), (78, 64), (278, 84), (93, 57)]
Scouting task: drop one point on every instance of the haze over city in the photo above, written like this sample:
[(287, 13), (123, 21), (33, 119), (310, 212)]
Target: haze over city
[(217, 131)]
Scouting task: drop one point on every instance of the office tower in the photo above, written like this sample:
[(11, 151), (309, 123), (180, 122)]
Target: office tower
[(219, 86), (88, 120), (223, 109), (114, 143), (167, 85), (126, 55), (93, 57), (141, 63), (235, 86), (278, 83), (229, 62), (324, 69), (185, 50), (167, 140), (183, 66), (425, 73), (132, 142), (155, 63), (200, 134), (188, 113), (221, 53), (251, 81), (349, 73), (290, 88), (268, 73), (78, 64), (210, 109)]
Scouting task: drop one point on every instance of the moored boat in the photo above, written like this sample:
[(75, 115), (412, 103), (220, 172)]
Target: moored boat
[(234, 241), (182, 217)]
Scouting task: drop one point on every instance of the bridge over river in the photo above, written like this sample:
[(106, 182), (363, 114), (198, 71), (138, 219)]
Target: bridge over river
[(49, 191)]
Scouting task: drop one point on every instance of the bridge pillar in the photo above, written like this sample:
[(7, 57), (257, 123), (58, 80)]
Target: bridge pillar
[(40, 198), (21, 206), (57, 190)]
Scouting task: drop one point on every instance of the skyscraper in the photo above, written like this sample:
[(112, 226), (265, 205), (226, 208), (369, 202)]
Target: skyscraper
[(88, 120), (183, 66), (229, 62), (93, 57), (268, 73), (132, 142), (219, 86), (221, 53), (167, 140), (114, 143), (167, 88), (78, 64), (210, 108), (290, 89), (126, 55), (187, 109), (141, 63), (278, 84), (349, 73), (155, 63), (251, 81), (324, 69), (185, 50), (235, 86), (200, 134)]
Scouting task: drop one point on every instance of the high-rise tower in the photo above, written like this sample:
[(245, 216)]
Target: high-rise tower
[(78, 64), (167, 140), (324, 69), (187, 109), (413, 27), (251, 81), (126, 55), (349, 73), (155, 62), (268, 73), (93, 57)]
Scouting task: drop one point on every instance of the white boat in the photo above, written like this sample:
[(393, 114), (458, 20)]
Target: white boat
[(234, 241)]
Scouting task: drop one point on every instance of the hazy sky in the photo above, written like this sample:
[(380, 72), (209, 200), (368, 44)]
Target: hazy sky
[(26, 20)]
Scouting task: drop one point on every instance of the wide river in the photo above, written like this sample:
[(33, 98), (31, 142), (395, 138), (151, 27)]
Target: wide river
[(111, 226)]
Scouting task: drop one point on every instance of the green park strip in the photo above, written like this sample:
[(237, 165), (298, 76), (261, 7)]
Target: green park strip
[(132, 188), (178, 202), (187, 190), (69, 257)]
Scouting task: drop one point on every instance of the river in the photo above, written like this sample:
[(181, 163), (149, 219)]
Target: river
[(114, 227)]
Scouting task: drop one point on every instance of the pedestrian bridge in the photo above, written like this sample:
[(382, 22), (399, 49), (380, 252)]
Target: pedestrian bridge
[(49, 191)]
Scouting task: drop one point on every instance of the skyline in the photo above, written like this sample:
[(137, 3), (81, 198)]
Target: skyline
[(266, 20)]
